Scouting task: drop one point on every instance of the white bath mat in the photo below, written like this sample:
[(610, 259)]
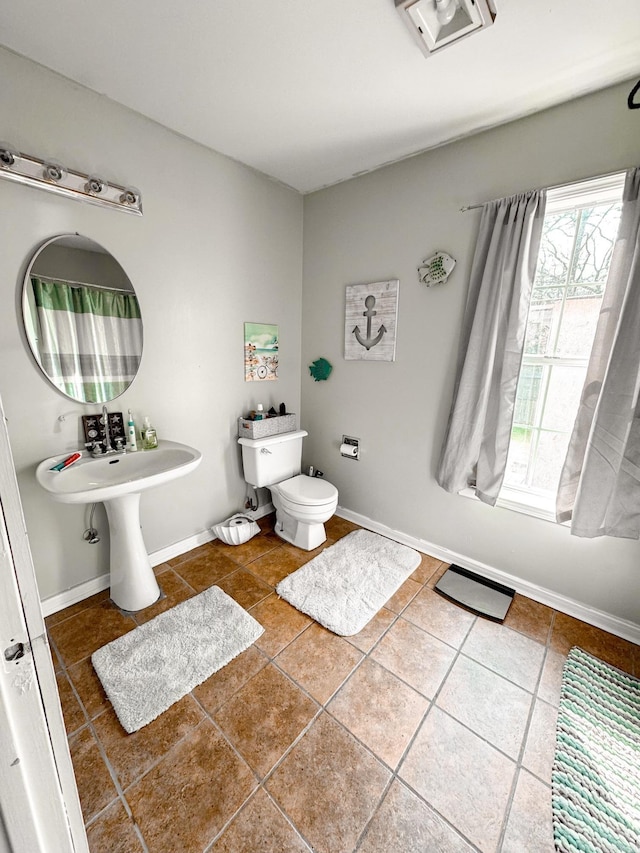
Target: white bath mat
[(147, 670), (344, 587)]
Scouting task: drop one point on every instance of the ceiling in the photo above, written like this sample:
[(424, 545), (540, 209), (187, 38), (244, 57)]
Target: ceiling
[(312, 92)]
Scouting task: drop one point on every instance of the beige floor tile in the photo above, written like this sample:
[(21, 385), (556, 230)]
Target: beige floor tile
[(89, 687), (90, 629), (404, 823), (429, 568), (260, 828), (372, 631), (414, 656), (530, 824), (183, 802), (568, 632), (245, 588), (380, 710), (174, 591), (205, 569), (329, 786), (541, 741), (338, 527), (439, 617), (131, 755), (74, 717), (403, 596), (551, 680), (530, 618), (506, 652), (95, 786), (319, 661), (74, 609), (114, 832), (281, 622), (224, 683), (265, 717), (260, 544), (494, 708), (277, 564), (462, 776)]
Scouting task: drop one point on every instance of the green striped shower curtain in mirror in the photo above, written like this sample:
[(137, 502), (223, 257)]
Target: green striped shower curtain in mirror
[(89, 338)]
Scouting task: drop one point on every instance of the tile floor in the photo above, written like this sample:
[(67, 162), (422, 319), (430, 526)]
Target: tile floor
[(431, 730)]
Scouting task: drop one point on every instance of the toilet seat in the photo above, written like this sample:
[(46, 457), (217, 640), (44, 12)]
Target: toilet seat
[(307, 491)]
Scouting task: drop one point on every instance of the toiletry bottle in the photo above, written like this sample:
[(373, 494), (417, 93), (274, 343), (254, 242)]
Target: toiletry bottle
[(149, 437), (259, 412), (131, 439)]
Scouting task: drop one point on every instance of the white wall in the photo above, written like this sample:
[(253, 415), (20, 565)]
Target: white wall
[(381, 226), (218, 245)]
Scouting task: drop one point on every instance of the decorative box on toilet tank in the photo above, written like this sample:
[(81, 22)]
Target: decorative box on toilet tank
[(266, 427)]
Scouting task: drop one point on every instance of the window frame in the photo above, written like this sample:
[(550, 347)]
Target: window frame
[(575, 196)]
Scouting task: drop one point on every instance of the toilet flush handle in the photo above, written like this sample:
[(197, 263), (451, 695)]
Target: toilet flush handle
[(265, 450)]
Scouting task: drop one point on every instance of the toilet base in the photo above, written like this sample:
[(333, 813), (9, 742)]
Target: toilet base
[(299, 533)]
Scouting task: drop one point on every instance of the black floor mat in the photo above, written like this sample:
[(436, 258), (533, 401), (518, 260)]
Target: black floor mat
[(476, 593)]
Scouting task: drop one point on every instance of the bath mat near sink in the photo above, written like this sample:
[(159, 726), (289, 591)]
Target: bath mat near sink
[(346, 585), (595, 779), (145, 671)]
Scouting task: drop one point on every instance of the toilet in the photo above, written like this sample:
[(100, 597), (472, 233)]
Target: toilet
[(302, 503)]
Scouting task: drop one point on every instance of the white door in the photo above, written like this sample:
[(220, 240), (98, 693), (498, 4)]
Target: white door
[(39, 805)]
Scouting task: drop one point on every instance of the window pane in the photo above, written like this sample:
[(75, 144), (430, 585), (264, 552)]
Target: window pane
[(540, 325), (579, 321), (550, 455), (528, 393), (563, 396), (596, 237), (556, 246), (519, 455)]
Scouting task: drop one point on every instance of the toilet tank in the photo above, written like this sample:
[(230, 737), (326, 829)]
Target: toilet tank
[(271, 460)]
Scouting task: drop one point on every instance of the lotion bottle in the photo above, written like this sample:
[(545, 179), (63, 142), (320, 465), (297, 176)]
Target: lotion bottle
[(149, 437), (132, 444)]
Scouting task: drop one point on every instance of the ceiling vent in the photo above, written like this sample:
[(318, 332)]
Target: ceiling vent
[(436, 24)]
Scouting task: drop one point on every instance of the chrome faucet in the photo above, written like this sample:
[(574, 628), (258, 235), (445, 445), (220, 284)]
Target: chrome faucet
[(108, 447)]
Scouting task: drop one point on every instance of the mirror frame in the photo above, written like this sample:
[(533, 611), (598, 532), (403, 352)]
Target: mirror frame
[(28, 320)]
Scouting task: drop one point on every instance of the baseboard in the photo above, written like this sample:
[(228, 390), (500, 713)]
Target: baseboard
[(85, 590), (614, 625)]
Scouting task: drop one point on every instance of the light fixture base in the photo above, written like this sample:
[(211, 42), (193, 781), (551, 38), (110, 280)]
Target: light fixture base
[(435, 27), (47, 175)]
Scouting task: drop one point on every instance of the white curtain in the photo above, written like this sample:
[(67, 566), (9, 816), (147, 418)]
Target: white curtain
[(477, 440), (600, 482)]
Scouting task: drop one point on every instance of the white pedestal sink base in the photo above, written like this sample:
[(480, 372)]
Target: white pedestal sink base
[(133, 583)]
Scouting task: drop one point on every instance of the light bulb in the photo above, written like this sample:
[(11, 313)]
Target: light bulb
[(445, 11)]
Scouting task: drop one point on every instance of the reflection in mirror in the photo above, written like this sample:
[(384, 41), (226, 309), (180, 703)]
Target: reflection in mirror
[(82, 319)]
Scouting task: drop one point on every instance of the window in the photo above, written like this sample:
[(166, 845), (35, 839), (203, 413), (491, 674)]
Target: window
[(579, 233)]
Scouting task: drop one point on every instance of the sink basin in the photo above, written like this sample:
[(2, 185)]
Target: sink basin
[(92, 480), (117, 480)]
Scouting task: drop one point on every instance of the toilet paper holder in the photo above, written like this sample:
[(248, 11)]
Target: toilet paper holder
[(350, 447)]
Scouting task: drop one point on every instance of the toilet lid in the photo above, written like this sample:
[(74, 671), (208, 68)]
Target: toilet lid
[(311, 491)]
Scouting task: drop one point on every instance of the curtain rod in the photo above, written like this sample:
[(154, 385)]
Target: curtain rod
[(554, 187), (79, 284)]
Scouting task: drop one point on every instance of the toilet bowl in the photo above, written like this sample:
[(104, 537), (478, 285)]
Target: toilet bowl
[(303, 504)]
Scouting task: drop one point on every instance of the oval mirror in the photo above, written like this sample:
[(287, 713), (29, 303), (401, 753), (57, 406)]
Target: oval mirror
[(82, 319)]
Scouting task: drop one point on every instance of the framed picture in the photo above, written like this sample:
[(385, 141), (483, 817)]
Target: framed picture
[(371, 314), (260, 352)]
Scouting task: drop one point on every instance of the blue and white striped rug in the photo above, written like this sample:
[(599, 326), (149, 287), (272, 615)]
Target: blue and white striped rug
[(596, 771)]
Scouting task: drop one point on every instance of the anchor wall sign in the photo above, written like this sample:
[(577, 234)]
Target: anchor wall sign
[(371, 314)]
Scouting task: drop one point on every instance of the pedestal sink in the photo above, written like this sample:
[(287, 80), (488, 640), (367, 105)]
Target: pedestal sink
[(117, 480)]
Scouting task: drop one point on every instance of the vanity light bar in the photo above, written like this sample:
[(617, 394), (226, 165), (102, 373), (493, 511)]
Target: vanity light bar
[(48, 175)]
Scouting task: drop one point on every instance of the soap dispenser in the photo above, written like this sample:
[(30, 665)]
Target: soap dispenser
[(149, 437)]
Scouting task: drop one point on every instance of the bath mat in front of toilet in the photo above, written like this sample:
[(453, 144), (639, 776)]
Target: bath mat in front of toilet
[(147, 670), (346, 585)]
